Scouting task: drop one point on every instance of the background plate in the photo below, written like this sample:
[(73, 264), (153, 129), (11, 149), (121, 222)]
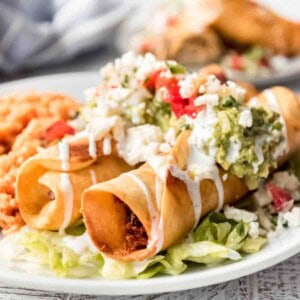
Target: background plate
[(280, 248), (135, 23)]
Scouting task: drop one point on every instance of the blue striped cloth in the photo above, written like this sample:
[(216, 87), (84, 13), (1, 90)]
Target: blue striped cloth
[(41, 32)]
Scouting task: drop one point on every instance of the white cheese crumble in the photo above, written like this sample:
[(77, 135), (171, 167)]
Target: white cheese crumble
[(214, 86), (188, 85), (204, 126), (239, 214), (290, 218), (170, 136), (246, 119), (208, 99), (122, 87), (225, 176), (141, 142), (254, 229), (100, 127), (233, 150), (236, 91)]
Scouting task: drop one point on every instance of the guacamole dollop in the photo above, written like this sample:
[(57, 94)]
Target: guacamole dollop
[(245, 148)]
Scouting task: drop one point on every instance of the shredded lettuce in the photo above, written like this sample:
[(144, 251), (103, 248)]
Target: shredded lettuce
[(47, 248), (214, 241)]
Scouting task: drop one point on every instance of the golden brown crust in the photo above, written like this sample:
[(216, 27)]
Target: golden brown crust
[(245, 22), (105, 219)]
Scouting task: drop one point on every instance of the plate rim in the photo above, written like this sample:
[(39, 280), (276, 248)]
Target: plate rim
[(161, 284)]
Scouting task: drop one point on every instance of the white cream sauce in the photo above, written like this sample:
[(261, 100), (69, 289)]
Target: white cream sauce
[(64, 155), (200, 166), (93, 176), (160, 165), (92, 146), (107, 145), (156, 221), (68, 194), (193, 189), (273, 105), (158, 192)]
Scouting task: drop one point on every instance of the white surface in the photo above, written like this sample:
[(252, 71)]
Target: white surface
[(289, 9), (279, 249)]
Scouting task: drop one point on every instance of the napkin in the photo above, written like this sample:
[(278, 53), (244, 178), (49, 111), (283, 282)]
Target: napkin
[(38, 32)]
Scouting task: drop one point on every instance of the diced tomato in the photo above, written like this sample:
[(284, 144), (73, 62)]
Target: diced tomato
[(57, 131), (146, 46), (237, 62), (171, 84), (172, 20), (180, 106), (279, 196), (150, 82)]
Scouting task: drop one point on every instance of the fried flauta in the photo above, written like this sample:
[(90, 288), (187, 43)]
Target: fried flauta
[(247, 23), (142, 212), (50, 184)]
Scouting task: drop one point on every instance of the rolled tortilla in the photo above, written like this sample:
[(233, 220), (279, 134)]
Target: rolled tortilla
[(142, 212), (260, 26), (194, 48), (50, 184), (190, 39)]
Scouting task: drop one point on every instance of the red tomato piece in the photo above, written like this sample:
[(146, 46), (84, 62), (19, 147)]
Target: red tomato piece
[(145, 47), (57, 131), (150, 82), (172, 20), (237, 62), (279, 196)]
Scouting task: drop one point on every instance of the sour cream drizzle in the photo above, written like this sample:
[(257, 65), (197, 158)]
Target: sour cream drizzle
[(193, 189), (107, 146), (158, 192), (205, 169), (273, 105), (92, 146), (68, 194), (156, 222), (64, 155), (93, 176)]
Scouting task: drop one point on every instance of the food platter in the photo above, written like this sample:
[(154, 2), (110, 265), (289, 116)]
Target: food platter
[(279, 248)]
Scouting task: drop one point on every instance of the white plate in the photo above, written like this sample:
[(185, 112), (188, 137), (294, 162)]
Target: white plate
[(280, 248)]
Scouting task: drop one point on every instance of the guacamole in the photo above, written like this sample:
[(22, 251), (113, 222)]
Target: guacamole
[(244, 146)]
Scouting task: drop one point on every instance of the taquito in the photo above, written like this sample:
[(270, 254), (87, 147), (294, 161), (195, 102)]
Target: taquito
[(190, 38), (245, 22), (50, 184), (142, 212)]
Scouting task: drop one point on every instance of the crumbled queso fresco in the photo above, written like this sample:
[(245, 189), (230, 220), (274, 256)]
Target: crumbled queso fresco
[(246, 119)]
